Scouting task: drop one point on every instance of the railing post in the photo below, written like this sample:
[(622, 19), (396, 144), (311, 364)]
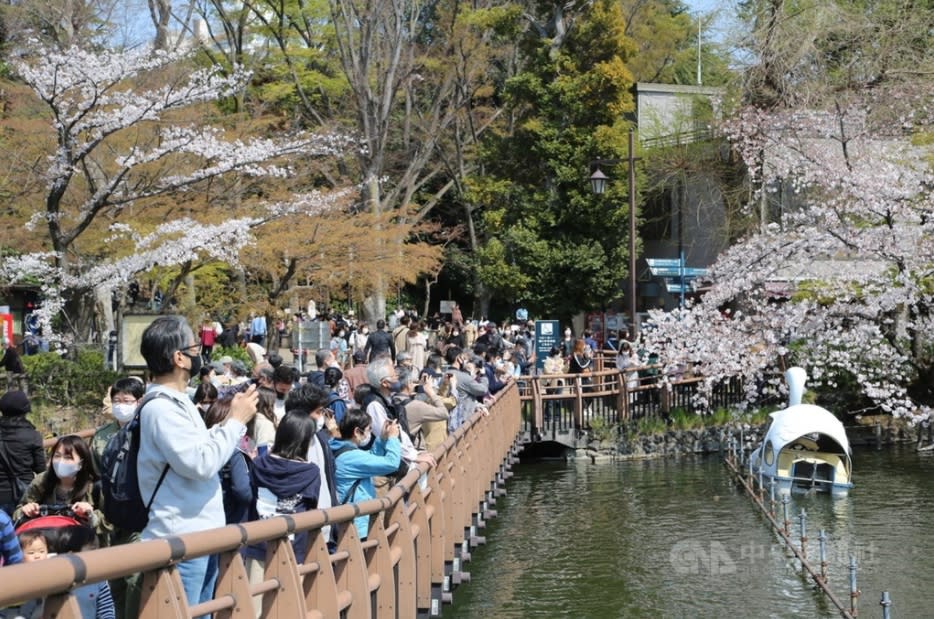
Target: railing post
[(787, 523), (822, 544), (885, 603), (854, 590), (803, 523), (772, 496)]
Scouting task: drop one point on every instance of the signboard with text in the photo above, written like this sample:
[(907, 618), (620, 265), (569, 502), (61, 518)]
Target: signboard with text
[(547, 335)]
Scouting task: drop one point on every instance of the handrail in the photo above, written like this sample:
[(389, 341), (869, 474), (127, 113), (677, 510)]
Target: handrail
[(655, 392), (422, 536), (49, 443)]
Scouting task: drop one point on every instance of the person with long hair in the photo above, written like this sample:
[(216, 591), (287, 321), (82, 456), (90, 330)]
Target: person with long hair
[(67, 481), (236, 485), (581, 362), (262, 429), (286, 483)]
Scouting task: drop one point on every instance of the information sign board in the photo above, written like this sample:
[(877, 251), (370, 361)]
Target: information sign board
[(547, 335)]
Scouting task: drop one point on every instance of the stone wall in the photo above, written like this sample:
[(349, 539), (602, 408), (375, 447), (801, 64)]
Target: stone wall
[(716, 440)]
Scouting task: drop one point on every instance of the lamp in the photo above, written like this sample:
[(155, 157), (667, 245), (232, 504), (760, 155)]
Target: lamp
[(598, 181)]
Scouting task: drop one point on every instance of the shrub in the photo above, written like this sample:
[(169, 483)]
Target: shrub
[(685, 420), (603, 431), (57, 381)]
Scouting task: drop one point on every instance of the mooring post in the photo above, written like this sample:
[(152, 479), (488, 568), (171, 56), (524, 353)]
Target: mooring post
[(822, 544), (772, 497), (885, 602), (785, 501), (761, 487), (803, 523), (854, 590)]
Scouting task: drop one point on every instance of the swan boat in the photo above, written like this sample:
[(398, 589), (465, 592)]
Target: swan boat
[(805, 447)]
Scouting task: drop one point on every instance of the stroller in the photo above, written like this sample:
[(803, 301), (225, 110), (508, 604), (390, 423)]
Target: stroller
[(53, 521), (50, 517)]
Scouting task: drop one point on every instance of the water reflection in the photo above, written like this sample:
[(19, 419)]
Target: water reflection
[(675, 538)]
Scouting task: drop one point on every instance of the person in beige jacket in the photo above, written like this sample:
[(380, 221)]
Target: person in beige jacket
[(421, 409)]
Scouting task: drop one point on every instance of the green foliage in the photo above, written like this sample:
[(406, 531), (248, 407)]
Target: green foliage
[(562, 249), (234, 352), (648, 426), (58, 381), (685, 420), (604, 431), (720, 417)]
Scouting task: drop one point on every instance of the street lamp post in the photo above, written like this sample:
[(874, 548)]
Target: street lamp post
[(598, 181)]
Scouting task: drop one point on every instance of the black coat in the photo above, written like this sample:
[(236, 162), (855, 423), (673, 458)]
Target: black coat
[(380, 342), (22, 445)]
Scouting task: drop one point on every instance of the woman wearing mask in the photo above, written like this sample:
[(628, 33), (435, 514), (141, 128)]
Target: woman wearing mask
[(125, 394), (67, 481), (358, 338)]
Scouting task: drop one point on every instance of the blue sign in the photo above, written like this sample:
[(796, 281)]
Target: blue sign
[(547, 335), (665, 267), (663, 262), (678, 288)]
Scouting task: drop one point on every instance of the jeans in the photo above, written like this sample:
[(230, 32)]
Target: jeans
[(198, 578)]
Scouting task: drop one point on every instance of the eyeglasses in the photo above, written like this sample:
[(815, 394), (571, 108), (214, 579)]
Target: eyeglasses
[(189, 347)]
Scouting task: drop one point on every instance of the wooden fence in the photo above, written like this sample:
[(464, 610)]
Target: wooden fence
[(419, 539), (560, 403)]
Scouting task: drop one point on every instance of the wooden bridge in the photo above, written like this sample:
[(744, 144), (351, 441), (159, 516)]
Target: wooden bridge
[(409, 566), (564, 408)]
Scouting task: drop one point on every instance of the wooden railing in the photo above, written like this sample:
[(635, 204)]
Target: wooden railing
[(418, 540), (564, 402)]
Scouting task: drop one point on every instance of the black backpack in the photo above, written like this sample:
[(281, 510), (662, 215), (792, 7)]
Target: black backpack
[(123, 505), (395, 409)]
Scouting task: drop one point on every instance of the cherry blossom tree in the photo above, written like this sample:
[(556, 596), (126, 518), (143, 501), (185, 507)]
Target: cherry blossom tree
[(836, 133), (123, 162), (841, 282)]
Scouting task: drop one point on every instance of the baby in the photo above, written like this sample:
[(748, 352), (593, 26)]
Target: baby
[(34, 544)]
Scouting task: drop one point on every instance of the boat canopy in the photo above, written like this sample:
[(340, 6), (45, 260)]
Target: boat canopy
[(800, 420)]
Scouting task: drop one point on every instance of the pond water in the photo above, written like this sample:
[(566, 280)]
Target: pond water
[(676, 538)]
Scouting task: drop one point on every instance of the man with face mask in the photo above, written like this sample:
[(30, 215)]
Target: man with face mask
[(381, 374), (567, 344), (176, 447), (283, 378), (121, 401)]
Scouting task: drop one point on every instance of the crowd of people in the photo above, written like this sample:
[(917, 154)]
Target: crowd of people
[(222, 443)]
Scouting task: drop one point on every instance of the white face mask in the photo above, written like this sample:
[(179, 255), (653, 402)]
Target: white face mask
[(123, 412), (567, 333), (367, 437), (66, 468), (319, 422)]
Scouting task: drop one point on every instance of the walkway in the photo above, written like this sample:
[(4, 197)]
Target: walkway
[(419, 542)]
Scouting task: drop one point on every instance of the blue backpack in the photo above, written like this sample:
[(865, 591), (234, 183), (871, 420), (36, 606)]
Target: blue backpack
[(123, 505)]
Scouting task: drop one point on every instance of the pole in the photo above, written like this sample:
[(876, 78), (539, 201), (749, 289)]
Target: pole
[(700, 16), (632, 235), (680, 263)]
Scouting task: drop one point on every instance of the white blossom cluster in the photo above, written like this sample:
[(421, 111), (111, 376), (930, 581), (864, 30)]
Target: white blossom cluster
[(855, 252), (91, 96)]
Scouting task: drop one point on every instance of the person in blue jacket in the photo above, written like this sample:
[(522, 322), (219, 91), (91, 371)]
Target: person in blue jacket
[(355, 466)]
